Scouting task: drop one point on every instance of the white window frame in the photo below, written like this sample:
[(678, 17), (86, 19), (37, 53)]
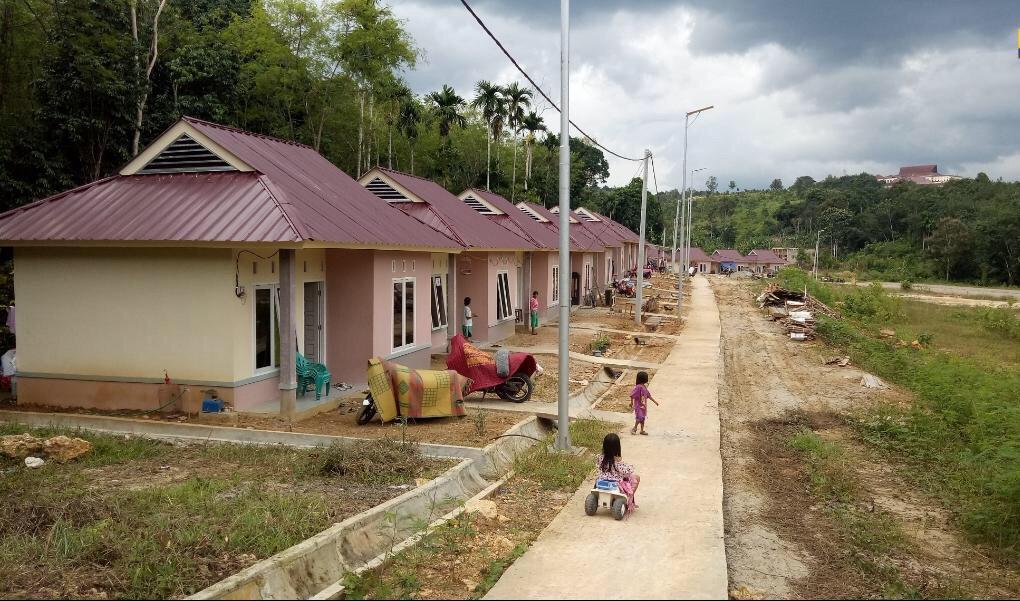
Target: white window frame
[(403, 318), (555, 284), (437, 298), (274, 311), (508, 307)]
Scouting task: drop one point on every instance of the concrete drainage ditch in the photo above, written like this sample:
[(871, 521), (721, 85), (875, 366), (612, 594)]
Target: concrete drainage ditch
[(315, 568)]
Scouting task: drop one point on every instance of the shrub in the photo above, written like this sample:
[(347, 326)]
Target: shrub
[(906, 284), (381, 461), (925, 338), (872, 302)]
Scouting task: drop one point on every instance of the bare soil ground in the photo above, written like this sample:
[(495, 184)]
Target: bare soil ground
[(781, 541)]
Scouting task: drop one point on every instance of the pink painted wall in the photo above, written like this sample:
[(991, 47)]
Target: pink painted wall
[(349, 313), (541, 279), (395, 264)]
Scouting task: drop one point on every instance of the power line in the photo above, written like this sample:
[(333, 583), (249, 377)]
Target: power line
[(535, 85)]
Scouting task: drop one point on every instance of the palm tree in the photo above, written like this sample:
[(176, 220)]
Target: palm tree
[(411, 118), (532, 124), (489, 99), (447, 107), (397, 97), (517, 100)]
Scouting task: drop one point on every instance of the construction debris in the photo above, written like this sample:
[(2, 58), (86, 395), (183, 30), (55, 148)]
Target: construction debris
[(886, 333), (840, 361), (34, 462), (795, 311), (870, 381)]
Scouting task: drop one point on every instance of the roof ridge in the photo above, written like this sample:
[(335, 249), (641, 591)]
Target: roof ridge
[(398, 172), (292, 221), (246, 132)]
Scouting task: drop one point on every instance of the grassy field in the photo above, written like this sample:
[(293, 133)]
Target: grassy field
[(961, 438), (137, 518)]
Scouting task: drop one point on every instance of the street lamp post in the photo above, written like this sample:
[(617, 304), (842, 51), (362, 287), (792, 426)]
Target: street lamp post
[(818, 239), (563, 400), (680, 279), (690, 220)]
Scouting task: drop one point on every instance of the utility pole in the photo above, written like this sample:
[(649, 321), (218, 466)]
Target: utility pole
[(690, 219), (641, 241), (680, 279), (563, 398), (818, 240)]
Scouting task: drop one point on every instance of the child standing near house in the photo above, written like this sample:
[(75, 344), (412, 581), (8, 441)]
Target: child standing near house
[(534, 313), (468, 315), (639, 398)]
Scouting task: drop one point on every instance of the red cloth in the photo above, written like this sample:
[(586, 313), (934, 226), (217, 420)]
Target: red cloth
[(467, 360)]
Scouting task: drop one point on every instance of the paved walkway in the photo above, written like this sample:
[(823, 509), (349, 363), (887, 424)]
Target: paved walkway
[(672, 546), (553, 350)]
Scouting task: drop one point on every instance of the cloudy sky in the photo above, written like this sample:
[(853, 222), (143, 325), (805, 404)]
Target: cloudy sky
[(800, 87)]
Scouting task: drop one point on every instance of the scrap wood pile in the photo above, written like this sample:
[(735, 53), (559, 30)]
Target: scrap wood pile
[(795, 311)]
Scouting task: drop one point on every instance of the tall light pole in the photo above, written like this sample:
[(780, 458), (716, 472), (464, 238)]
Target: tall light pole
[(563, 399), (818, 239), (641, 242), (690, 220), (680, 284)]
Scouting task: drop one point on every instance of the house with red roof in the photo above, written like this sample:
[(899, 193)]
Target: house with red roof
[(585, 251), (763, 260), (727, 260), (925, 175), (490, 268), (211, 261), (701, 262)]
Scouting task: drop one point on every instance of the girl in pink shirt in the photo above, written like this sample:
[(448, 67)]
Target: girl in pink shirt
[(534, 313), (639, 398)]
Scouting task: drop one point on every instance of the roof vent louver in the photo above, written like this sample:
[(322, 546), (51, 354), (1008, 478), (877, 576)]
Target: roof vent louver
[(478, 205), (385, 191), (532, 213), (185, 154), (587, 215)]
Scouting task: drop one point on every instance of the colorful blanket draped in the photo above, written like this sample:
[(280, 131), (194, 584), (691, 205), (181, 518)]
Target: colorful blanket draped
[(468, 360), (400, 390)]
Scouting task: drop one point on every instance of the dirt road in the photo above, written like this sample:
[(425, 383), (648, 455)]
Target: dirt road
[(781, 541)]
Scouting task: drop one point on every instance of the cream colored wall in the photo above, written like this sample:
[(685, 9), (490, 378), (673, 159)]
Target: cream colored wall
[(126, 312), (253, 271), (497, 262), (399, 264)]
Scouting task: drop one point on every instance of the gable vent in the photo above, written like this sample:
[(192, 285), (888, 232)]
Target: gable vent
[(385, 191), (480, 206), (185, 154), (587, 216), (532, 213)]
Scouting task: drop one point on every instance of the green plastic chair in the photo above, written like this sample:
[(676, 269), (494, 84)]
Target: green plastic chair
[(310, 373)]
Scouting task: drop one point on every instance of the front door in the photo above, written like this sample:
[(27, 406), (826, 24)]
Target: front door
[(575, 288), (313, 321)]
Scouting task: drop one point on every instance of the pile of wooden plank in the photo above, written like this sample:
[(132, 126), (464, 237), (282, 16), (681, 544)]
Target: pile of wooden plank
[(794, 311)]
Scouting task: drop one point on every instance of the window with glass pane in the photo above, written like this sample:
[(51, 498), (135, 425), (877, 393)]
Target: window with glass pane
[(403, 312), (263, 328), (503, 305), (438, 303)]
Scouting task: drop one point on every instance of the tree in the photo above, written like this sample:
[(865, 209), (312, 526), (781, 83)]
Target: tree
[(532, 124), (712, 185), (777, 184), (733, 184), (489, 99), (517, 100), (412, 115), (150, 63), (950, 243), (802, 185), (982, 178), (447, 108)]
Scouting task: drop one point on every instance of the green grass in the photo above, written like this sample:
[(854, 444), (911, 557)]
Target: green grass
[(961, 438), (71, 528)]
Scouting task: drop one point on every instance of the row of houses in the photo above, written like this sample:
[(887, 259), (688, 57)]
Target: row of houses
[(728, 260), (217, 255)]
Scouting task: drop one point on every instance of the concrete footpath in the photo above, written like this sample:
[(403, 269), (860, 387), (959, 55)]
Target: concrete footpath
[(672, 546)]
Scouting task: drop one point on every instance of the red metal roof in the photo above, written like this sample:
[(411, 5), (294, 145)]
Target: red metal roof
[(210, 207), (699, 255), (468, 226), (294, 195), (911, 170), (626, 234), (332, 206), (765, 256), (516, 221), (580, 238), (728, 255)]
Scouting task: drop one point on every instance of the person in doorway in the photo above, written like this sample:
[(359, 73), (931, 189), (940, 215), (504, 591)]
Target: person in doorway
[(639, 398), (534, 313), (611, 467), (468, 318)]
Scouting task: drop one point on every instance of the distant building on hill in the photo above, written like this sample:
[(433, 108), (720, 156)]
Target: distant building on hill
[(925, 175)]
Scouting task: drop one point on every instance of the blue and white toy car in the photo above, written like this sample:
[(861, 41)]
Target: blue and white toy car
[(606, 493)]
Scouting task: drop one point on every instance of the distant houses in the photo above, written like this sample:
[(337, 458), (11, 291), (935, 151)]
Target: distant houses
[(925, 175), (729, 260)]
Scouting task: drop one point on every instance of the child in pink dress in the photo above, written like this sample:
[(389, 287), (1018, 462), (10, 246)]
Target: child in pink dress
[(639, 398), (610, 467)]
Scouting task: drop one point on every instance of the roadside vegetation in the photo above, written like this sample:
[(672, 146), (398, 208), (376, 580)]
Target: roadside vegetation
[(464, 558), (961, 437), (137, 518)]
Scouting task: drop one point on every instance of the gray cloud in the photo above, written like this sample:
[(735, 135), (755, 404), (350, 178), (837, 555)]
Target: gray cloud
[(800, 87)]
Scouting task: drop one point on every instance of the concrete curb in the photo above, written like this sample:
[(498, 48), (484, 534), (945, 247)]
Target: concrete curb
[(315, 567), (206, 433)]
